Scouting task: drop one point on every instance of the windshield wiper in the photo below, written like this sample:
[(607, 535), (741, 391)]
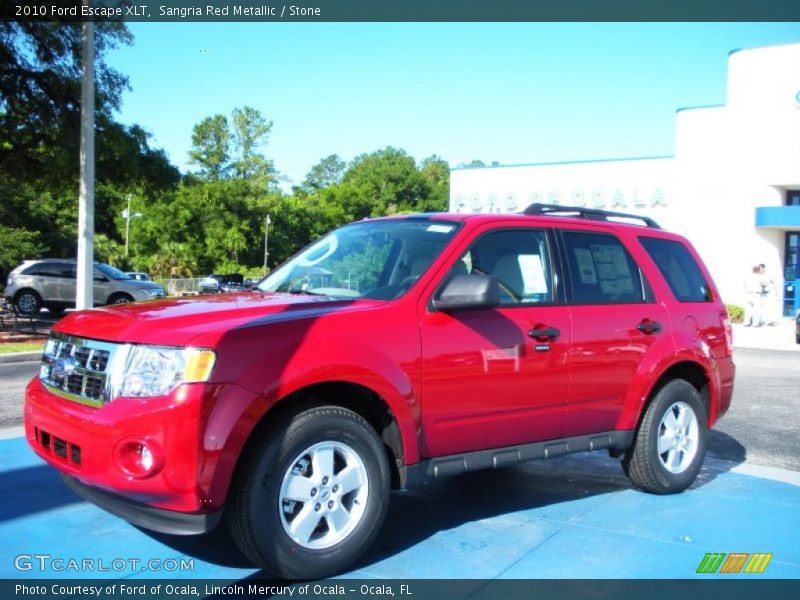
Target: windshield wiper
[(305, 292)]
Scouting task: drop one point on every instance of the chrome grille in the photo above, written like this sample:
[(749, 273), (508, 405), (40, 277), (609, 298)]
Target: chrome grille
[(80, 369)]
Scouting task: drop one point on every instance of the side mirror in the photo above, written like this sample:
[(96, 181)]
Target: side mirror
[(464, 292)]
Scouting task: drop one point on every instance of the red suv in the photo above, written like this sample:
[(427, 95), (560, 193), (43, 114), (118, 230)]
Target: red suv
[(390, 352)]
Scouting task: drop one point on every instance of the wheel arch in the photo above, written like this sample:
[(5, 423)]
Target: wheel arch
[(691, 371), (354, 396)]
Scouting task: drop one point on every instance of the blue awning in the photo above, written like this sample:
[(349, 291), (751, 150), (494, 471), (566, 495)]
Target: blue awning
[(778, 217)]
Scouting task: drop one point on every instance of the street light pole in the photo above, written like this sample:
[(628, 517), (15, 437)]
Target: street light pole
[(267, 222), (126, 214)]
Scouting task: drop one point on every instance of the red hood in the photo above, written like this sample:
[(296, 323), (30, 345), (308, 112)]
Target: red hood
[(176, 322)]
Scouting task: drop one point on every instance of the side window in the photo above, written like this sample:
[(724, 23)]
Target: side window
[(680, 270), (66, 271), (44, 269), (519, 259), (602, 271)]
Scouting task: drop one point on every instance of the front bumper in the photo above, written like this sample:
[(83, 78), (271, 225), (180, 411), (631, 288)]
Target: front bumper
[(149, 517), (197, 432)]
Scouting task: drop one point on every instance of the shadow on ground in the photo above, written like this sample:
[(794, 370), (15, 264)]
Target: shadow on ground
[(416, 515)]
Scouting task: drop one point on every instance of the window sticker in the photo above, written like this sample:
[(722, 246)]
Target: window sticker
[(585, 266), (613, 270), (440, 228), (533, 276)]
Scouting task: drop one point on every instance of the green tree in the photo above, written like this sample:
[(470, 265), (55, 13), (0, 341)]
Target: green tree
[(325, 173), (40, 87), (250, 132), (173, 259), (210, 149), (381, 183), (436, 174), (15, 246)]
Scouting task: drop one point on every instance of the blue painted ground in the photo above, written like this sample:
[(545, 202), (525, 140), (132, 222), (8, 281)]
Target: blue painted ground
[(574, 517)]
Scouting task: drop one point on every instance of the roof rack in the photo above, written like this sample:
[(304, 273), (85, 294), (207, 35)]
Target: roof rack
[(585, 213)]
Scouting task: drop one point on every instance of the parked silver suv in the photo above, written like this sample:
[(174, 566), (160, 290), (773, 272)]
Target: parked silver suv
[(50, 282)]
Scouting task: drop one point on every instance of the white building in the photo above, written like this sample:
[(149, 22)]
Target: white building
[(732, 188)]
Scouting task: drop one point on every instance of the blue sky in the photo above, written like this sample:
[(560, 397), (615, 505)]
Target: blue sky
[(514, 93)]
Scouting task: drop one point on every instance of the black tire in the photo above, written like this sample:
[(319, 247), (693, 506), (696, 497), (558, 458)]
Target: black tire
[(120, 298), (255, 511), (642, 462), (28, 302), (55, 310)]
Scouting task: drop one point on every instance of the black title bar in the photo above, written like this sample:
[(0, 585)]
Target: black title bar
[(400, 10)]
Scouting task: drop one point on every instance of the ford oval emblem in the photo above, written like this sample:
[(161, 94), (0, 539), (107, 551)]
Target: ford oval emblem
[(64, 367)]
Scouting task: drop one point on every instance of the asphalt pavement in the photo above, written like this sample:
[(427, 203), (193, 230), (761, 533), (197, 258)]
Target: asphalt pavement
[(13, 379), (764, 420)]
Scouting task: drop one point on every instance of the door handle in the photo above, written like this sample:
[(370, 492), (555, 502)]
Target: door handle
[(545, 333), (649, 327)]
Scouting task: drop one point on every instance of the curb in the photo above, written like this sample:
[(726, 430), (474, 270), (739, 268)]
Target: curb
[(16, 357)]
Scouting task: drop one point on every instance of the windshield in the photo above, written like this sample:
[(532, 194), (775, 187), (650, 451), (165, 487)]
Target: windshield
[(111, 272), (370, 259)]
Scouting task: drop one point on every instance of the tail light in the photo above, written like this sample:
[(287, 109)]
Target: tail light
[(725, 321)]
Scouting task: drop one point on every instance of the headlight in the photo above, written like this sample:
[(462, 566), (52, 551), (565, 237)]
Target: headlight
[(157, 370)]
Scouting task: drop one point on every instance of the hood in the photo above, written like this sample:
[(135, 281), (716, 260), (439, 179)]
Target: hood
[(138, 283), (176, 322)]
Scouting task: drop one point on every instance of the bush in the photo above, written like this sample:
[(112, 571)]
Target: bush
[(736, 313)]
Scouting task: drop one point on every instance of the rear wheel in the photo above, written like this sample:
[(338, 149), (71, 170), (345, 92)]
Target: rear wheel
[(670, 444), (28, 302), (310, 494)]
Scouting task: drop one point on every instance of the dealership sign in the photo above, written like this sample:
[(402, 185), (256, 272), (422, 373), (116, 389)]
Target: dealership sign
[(612, 199)]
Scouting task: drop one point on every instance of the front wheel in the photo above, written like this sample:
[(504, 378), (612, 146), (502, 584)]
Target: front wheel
[(670, 444), (120, 299), (311, 493)]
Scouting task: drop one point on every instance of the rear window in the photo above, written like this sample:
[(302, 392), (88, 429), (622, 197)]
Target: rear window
[(679, 268)]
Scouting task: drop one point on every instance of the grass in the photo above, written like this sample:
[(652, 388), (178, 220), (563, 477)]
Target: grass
[(9, 347)]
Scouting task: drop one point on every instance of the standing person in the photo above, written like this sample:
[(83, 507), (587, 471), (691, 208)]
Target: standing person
[(768, 302), (753, 308)]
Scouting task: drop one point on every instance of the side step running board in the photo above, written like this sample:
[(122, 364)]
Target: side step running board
[(456, 464)]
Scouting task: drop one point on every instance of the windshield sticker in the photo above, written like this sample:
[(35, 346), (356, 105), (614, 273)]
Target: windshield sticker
[(440, 228)]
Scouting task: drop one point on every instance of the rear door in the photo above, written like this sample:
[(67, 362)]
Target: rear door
[(486, 382), (47, 280), (616, 322), (66, 283)]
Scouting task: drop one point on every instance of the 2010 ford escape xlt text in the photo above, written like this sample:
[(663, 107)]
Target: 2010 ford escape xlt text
[(389, 352)]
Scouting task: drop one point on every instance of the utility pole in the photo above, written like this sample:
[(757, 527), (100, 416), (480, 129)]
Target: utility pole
[(267, 223), (84, 294)]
